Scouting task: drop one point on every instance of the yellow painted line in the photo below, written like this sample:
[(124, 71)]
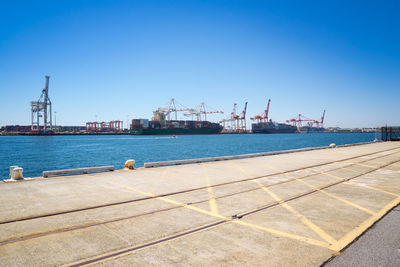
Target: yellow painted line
[(350, 236), (340, 199), (177, 203), (364, 185), (353, 234), (302, 218), (272, 231), (334, 196), (292, 236), (213, 202), (374, 188), (164, 172)]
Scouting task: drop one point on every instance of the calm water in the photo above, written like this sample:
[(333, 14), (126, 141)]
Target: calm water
[(39, 153)]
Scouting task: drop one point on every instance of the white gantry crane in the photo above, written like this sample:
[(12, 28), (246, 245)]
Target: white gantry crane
[(201, 110), (172, 108), (42, 109)]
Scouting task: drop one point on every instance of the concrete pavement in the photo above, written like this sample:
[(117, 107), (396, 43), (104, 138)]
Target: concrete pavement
[(280, 210)]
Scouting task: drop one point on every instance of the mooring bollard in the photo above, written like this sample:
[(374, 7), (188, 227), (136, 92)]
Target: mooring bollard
[(129, 164), (17, 173), (11, 171)]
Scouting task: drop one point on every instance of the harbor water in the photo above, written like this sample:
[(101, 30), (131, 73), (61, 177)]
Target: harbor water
[(41, 153)]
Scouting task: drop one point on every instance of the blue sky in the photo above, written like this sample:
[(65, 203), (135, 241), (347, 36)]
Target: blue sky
[(116, 59)]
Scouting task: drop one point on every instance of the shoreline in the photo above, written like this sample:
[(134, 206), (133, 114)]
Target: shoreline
[(158, 164), (110, 133)]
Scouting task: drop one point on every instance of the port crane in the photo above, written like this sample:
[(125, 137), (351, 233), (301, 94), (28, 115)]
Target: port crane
[(236, 122), (320, 123), (172, 108), (202, 110), (229, 123), (299, 119), (42, 109), (264, 116), (241, 120)]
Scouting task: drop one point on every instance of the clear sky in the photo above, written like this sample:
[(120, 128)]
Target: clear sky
[(116, 58)]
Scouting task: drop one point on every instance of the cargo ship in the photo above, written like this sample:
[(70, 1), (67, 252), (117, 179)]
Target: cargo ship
[(271, 127), (266, 126), (159, 125), (312, 129)]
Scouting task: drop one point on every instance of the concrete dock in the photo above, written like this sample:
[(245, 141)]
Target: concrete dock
[(290, 209)]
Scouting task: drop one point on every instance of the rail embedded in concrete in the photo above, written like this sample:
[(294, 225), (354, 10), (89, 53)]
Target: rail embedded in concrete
[(301, 215), (243, 156), (78, 170)]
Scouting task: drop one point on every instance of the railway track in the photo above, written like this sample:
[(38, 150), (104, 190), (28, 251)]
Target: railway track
[(220, 222), (233, 216), (212, 186)]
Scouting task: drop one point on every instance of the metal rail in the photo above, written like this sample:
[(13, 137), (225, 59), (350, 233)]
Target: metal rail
[(235, 216), (214, 224), (203, 187)]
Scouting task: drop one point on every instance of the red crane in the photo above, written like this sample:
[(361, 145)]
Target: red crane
[(320, 123), (241, 120), (298, 121), (264, 116)]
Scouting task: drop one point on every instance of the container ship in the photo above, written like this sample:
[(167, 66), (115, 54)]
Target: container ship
[(161, 124), (173, 127), (266, 126), (312, 129), (272, 127)]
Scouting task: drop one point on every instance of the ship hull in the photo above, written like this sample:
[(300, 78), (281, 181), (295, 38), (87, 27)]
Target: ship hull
[(175, 131), (275, 131), (312, 130)]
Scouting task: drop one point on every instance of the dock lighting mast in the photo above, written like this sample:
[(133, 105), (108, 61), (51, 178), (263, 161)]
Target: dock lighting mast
[(42, 109)]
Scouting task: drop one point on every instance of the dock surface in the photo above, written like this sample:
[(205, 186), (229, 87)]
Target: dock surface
[(281, 210)]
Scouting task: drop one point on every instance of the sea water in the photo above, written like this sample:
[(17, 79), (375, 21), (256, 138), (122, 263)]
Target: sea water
[(40, 153)]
